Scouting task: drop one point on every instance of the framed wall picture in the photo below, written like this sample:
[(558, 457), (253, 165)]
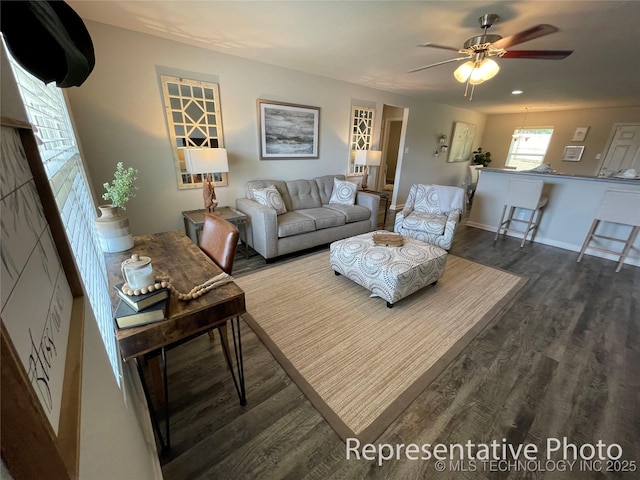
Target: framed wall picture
[(580, 134), (288, 131), (572, 153), (461, 142)]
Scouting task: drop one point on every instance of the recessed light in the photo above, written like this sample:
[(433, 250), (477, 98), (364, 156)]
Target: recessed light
[(517, 92)]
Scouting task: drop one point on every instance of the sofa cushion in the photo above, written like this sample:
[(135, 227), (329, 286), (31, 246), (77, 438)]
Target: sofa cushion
[(353, 213), (425, 222), (303, 194), (294, 223), (325, 186), (344, 193), (270, 197), (279, 184), (324, 217)]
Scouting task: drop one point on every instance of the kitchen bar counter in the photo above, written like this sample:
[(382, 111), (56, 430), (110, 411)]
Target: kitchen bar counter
[(573, 201)]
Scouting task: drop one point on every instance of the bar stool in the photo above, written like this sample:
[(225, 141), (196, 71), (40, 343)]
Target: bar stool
[(525, 194), (617, 206)]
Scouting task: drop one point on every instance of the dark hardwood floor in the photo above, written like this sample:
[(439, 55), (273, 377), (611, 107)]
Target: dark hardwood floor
[(562, 361)]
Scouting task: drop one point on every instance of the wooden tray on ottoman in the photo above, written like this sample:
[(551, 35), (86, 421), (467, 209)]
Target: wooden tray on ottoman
[(388, 239)]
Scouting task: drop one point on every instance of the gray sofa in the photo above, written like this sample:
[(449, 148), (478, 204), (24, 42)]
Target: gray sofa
[(310, 220)]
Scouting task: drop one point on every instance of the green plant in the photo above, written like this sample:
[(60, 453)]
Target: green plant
[(121, 189), (481, 158)]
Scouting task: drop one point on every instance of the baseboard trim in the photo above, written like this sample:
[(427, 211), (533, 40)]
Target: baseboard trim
[(564, 245)]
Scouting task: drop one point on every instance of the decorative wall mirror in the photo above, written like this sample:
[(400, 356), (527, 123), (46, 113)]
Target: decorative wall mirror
[(361, 135), (194, 120), (461, 142)]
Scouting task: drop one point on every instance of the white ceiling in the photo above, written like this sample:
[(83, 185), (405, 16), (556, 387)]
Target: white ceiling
[(374, 43)]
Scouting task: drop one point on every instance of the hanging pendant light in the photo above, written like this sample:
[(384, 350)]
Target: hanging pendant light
[(520, 135)]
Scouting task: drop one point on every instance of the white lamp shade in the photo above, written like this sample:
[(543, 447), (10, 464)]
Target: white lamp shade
[(206, 160), (489, 69), (463, 72), (476, 77), (484, 71), (368, 157)]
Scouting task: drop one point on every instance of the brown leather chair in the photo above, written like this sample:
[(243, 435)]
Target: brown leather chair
[(219, 239)]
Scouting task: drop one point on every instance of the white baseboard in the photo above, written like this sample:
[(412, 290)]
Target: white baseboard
[(565, 246)]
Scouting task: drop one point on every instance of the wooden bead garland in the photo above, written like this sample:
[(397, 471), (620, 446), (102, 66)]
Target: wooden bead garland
[(195, 292), (144, 290)]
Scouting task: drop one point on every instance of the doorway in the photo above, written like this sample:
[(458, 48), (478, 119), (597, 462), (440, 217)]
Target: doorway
[(623, 152), (391, 146), (391, 142)]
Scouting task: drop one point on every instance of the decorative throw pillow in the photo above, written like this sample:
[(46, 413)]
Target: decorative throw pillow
[(270, 197), (344, 193)]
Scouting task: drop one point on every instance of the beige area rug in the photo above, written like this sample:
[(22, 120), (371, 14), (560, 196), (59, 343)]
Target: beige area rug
[(358, 362)]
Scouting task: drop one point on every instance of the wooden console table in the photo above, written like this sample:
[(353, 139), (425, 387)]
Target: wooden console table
[(175, 256)]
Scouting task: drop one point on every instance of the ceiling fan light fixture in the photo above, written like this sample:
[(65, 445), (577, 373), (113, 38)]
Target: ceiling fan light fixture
[(478, 68), (463, 72), (476, 72)]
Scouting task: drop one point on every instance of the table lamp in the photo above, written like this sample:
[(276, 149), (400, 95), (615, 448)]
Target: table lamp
[(370, 158), (206, 161)]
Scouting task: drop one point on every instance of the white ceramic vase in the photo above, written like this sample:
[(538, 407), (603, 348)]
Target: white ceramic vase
[(113, 230)]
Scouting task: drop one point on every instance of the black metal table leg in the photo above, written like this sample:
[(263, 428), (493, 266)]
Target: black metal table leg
[(165, 380), (237, 347), (239, 361), (154, 419)]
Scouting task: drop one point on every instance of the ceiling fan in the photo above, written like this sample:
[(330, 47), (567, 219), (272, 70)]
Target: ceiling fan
[(477, 50)]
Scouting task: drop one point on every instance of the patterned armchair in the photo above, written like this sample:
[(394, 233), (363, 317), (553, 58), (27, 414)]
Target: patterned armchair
[(431, 214)]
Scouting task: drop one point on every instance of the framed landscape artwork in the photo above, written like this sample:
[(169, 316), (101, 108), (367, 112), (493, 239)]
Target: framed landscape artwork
[(288, 131)]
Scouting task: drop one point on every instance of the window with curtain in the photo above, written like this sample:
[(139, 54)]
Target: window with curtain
[(528, 147), (47, 111), (361, 135), (194, 120)]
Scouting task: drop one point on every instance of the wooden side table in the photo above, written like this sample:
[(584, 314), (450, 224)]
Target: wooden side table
[(194, 221), (384, 196)]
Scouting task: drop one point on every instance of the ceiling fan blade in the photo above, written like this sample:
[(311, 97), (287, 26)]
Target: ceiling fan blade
[(538, 54), (442, 47), (525, 36), (439, 63)]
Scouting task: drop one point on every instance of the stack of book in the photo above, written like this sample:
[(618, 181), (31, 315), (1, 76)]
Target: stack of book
[(137, 310)]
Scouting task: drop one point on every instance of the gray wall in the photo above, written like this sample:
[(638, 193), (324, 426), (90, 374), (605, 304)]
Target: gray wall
[(119, 116), (499, 129)]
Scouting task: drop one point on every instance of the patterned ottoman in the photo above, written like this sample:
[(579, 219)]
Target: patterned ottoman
[(391, 273)]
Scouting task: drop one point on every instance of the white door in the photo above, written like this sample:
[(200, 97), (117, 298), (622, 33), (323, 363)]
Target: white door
[(624, 150)]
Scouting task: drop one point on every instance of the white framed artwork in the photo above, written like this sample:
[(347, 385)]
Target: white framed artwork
[(572, 153), (288, 131), (461, 142), (580, 134)]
